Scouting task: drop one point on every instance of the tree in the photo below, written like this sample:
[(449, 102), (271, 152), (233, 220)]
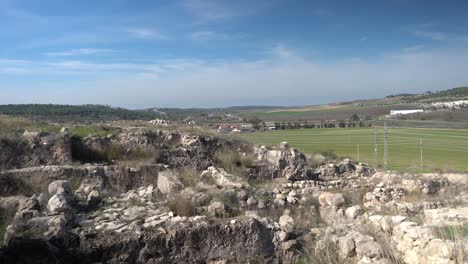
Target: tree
[(355, 117)]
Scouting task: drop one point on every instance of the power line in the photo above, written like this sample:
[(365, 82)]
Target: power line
[(420, 147), (385, 145), (375, 148)]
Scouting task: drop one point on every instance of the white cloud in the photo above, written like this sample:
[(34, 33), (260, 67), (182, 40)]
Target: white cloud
[(431, 35), (207, 35), (146, 33), (78, 52), (281, 78), (414, 48)]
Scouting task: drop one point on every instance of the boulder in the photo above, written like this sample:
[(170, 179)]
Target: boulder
[(58, 203), (331, 199), (217, 209), (94, 197), (353, 211), (168, 182), (286, 223), (346, 247), (251, 201), (54, 187)]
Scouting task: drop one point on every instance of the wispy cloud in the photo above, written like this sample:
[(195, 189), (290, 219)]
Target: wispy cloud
[(207, 35), (146, 33), (413, 48), (79, 52), (214, 10), (434, 35)]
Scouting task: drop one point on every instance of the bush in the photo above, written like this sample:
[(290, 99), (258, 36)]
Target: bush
[(6, 217), (232, 161), (182, 205), (10, 185), (229, 199), (457, 234), (189, 176)]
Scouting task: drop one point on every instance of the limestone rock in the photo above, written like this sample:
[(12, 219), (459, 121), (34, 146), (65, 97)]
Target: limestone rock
[(217, 209), (168, 182)]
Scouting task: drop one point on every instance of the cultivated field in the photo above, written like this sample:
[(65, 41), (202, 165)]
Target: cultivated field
[(445, 149)]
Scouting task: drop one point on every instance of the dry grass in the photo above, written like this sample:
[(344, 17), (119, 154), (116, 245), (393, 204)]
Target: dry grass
[(189, 176), (327, 255), (455, 233), (384, 241), (182, 205), (11, 185), (6, 217), (232, 161), (355, 197)]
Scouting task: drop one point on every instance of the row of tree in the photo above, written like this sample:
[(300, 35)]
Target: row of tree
[(322, 124)]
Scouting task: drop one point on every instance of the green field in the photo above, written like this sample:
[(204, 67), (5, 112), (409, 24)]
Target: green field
[(445, 149)]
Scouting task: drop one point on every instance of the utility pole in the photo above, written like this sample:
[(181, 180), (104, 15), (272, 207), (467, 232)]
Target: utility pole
[(358, 159), (420, 148), (375, 148), (385, 144)]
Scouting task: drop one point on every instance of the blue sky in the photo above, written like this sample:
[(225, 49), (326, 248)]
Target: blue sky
[(210, 53)]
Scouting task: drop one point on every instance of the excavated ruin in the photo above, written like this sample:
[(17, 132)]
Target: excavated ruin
[(89, 200)]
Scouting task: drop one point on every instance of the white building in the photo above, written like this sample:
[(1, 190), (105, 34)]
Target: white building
[(405, 112)]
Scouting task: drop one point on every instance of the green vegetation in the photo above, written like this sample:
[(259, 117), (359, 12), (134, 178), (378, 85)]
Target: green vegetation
[(182, 205), (459, 93), (189, 176), (443, 149), (70, 113), (457, 234), (10, 185), (330, 112), (84, 131), (451, 232), (232, 161)]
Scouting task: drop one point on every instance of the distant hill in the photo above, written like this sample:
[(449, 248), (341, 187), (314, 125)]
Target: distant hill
[(70, 113), (459, 93)]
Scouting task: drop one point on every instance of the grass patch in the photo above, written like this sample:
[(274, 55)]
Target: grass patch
[(6, 217), (102, 131), (385, 242), (189, 176), (327, 254), (182, 205), (455, 233), (442, 148), (11, 185), (232, 161), (109, 152), (229, 199), (355, 197), (451, 232)]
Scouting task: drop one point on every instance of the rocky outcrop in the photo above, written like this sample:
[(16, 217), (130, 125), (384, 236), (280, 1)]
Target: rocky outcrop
[(35, 149), (168, 182), (113, 178)]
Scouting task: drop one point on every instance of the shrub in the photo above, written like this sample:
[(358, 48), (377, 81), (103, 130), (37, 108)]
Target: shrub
[(355, 197), (229, 199), (328, 254), (385, 242), (232, 161), (455, 233), (6, 217), (11, 185), (182, 205), (189, 176)]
